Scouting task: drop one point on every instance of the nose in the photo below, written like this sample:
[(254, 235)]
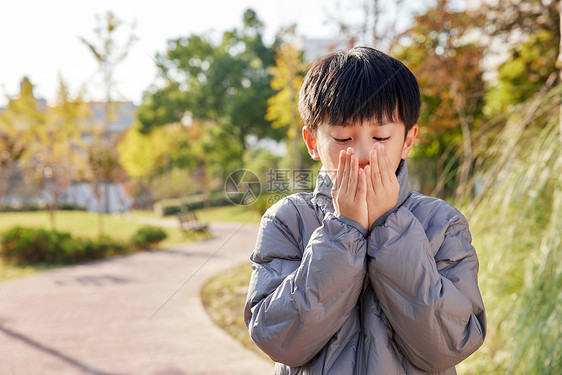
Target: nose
[(362, 150)]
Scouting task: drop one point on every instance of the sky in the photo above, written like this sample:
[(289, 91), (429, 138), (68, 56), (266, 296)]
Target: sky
[(40, 39)]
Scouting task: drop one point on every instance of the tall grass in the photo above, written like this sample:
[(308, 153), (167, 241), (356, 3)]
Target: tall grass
[(517, 224)]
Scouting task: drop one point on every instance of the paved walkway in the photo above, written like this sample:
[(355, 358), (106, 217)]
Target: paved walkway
[(138, 314)]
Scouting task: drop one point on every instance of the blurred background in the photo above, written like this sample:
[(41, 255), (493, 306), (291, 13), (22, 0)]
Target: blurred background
[(119, 110)]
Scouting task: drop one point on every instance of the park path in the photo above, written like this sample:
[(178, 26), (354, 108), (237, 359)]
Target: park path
[(137, 314)]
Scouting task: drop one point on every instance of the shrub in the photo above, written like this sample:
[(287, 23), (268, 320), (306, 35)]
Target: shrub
[(26, 245), (21, 245), (168, 207), (148, 236)]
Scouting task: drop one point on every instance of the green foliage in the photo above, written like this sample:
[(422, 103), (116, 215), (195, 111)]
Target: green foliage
[(525, 71), (519, 18), (165, 148), (161, 106), (516, 223), (175, 160), (447, 62), (19, 123), (227, 83), (168, 207), (260, 161), (219, 154), (22, 245), (238, 214), (174, 183), (148, 236), (287, 77), (282, 111)]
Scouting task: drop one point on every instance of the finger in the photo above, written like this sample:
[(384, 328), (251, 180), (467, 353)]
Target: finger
[(353, 172), (384, 165), (368, 178), (361, 185), (339, 171), (391, 173), (372, 165), (375, 169), (347, 169)]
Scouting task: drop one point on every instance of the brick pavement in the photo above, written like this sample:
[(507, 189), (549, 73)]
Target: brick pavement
[(137, 314)]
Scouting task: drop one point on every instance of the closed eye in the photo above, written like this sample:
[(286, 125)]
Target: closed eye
[(381, 139), (340, 140)]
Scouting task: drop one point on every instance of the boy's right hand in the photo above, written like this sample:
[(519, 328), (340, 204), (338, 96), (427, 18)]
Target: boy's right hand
[(382, 185), (349, 191)]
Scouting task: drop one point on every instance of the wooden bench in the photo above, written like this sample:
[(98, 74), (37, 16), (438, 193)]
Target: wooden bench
[(189, 222)]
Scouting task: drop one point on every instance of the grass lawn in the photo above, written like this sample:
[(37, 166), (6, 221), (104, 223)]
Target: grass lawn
[(11, 271), (119, 227), (224, 296), (83, 224), (240, 214), (78, 224)]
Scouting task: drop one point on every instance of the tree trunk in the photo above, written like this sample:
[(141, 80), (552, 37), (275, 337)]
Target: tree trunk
[(52, 207), (52, 221), (97, 194)]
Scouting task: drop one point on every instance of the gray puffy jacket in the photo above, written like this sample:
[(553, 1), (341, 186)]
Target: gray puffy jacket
[(326, 297)]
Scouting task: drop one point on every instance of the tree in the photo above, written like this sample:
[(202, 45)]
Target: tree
[(108, 55), (515, 20), (59, 158), (282, 108), (43, 144), (200, 152), (147, 155), (101, 162), (447, 64), (22, 134), (17, 122), (531, 29), (531, 32), (375, 22), (227, 84)]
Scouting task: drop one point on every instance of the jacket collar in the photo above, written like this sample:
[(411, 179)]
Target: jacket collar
[(322, 195)]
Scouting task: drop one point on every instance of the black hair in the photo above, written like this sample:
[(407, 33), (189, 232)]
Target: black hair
[(362, 84)]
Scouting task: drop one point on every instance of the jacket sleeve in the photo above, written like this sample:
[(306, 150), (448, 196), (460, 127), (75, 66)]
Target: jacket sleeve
[(295, 305), (432, 302)]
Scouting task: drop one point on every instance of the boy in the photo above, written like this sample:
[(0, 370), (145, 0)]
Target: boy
[(363, 276)]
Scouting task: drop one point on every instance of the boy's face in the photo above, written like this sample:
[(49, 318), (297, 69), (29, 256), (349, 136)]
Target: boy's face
[(327, 141)]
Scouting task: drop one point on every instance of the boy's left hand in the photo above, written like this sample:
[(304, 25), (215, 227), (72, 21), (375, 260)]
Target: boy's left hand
[(382, 184)]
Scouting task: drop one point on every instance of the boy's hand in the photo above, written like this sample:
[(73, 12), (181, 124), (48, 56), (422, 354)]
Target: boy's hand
[(382, 184), (350, 188)]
